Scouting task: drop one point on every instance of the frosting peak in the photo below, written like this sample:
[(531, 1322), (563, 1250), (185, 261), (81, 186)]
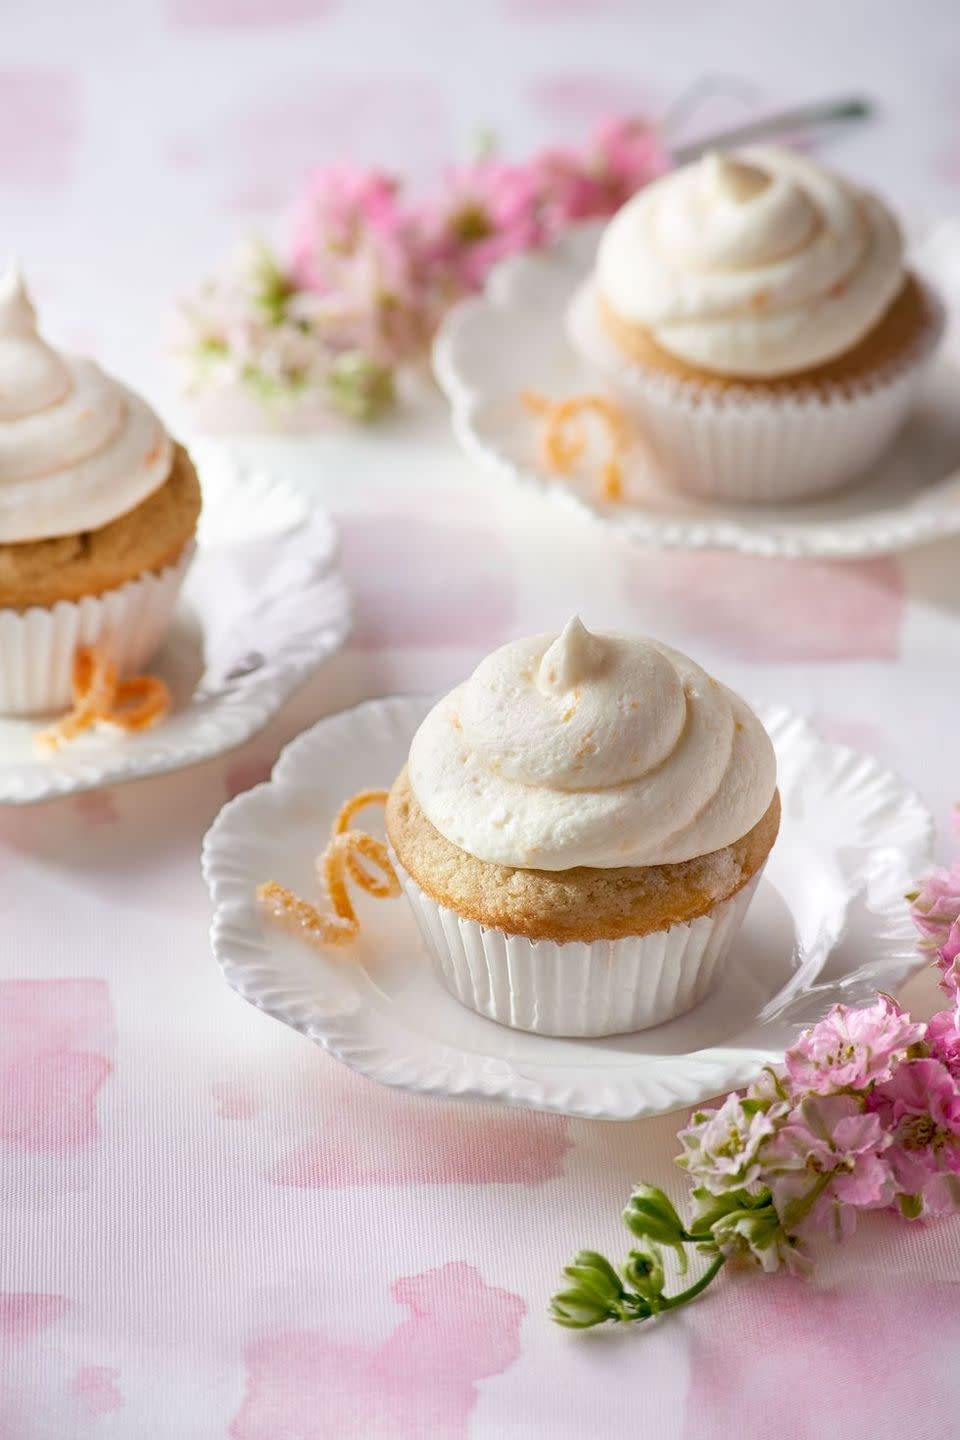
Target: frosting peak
[(32, 376), (77, 449), (732, 180), (17, 315), (571, 658), (599, 750), (757, 266)]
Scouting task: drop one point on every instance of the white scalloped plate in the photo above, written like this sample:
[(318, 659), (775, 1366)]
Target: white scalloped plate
[(828, 923), (263, 605), (513, 338)]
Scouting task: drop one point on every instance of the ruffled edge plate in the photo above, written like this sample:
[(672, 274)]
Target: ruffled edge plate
[(829, 923), (213, 712), (513, 337)]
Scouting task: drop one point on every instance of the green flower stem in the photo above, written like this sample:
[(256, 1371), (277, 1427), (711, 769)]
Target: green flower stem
[(597, 1296), (673, 1302)]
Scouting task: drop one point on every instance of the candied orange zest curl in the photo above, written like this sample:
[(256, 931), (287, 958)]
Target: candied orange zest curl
[(354, 805), (344, 852), (302, 918), (139, 703), (611, 481), (342, 823), (101, 698), (563, 438), (341, 859), (93, 683), (64, 731)]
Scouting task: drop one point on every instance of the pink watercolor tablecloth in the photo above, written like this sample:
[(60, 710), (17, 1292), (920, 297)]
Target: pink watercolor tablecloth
[(207, 1228)]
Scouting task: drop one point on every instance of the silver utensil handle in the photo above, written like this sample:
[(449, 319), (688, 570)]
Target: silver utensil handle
[(822, 114)]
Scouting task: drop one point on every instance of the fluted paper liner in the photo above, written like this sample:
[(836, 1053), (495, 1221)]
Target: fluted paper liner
[(606, 987), (37, 646), (741, 445)]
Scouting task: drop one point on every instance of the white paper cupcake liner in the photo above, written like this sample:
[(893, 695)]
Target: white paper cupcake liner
[(737, 445), (606, 987), (37, 646)]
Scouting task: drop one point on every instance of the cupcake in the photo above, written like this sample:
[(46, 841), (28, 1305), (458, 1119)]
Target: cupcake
[(755, 315), (98, 510), (580, 828)]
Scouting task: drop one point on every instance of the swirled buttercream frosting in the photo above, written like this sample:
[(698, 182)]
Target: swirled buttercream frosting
[(600, 750), (77, 449), (759, 265)]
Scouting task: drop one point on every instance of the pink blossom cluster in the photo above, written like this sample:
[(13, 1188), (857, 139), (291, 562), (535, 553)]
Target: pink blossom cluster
[(863, 1115), (936, 913), (372, 269), (357, 233)]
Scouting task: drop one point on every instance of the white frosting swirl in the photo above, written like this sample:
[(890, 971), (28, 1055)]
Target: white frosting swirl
[(77, 449), (599, 750), (758, 266)]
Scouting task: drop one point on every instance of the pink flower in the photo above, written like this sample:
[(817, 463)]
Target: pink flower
[(246, 329), (621, 157), (948, 960), (355, 254), (936, 908), (370, 275), (943, 1039), (825, 1164), (336, 212), (571, 190), (756, 1235), (721, 1148), (488, 211), (628, 154), (936, 914), (920, 1110), (373, 303), (852, 1047), (950, 949)]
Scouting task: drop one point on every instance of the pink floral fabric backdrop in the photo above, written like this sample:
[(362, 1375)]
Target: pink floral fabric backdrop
[(208, 1228)]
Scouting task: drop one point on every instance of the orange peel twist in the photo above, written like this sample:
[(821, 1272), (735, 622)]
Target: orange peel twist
[(348, 810), (100, 697), (303, 918), (563, 438), (138, 703), (342, 858)]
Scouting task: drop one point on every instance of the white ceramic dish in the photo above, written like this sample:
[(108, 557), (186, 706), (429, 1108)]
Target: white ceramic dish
[(513, 338), (262, 606), (828, 923)]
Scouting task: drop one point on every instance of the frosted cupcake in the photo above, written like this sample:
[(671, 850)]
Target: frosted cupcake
[(755, 314), (98, 509), (580, 828)]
